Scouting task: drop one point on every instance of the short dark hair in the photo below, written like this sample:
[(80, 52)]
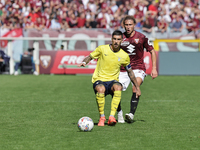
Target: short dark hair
[(117, 32), (129, 18)]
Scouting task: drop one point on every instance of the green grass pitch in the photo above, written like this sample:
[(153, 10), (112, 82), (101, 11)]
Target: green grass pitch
[(41, 113)]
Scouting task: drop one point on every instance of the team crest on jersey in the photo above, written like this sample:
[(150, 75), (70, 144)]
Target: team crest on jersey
[(137, 41), (119, 58)]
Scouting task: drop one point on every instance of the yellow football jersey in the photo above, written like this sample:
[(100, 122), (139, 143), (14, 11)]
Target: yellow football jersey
[(108, 63)]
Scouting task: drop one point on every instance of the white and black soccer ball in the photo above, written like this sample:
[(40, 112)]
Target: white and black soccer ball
[(85, 124)]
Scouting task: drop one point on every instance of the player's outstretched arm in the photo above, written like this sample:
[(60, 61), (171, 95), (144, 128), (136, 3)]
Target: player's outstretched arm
[(154, 72), (134, 81), (85, 61)]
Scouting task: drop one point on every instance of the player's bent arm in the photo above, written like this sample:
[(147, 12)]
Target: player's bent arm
[(154, 72), (132, 77), (134, 81), (85, 61), (153, 58)]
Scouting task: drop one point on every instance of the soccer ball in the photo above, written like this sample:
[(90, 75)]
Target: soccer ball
[(85, 124)]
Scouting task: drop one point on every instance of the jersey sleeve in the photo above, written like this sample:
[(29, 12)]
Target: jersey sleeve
[(127, 63), (96, 53), (147, 44)]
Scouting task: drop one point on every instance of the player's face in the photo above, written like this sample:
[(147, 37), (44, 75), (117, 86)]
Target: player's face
[(116, 42), (129, 26)]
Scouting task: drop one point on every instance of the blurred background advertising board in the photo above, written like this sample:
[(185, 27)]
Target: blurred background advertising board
[(65, 62)]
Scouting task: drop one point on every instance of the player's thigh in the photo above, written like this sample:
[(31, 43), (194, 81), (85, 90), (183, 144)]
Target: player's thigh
[(124, 80), (140, 75)]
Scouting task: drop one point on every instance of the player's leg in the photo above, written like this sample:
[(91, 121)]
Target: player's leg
[(116, 90), (125, 81), (134, 102), (140, 75), (99, 89)]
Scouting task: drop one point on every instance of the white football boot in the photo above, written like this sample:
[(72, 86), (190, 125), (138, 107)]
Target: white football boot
[(35, 73), (129, 117), (16, 73), (120, 117)]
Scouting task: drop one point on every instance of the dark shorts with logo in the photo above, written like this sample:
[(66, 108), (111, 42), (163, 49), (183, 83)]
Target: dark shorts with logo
[(108, 85)]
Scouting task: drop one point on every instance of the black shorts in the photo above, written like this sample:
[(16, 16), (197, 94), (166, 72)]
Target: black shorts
[(108, 85)]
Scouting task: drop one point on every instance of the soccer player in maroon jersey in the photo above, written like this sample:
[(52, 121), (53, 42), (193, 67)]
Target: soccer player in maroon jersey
[(134, 44)]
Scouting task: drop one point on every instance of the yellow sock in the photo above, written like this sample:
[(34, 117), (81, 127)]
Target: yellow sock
[(100, 97), (115, 102)]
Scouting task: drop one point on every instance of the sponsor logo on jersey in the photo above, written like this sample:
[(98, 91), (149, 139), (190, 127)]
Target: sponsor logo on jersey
[(125, 43), (137, 41), (45, 60)]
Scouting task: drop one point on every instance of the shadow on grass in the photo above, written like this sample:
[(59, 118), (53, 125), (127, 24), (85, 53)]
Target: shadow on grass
[(117, 120)]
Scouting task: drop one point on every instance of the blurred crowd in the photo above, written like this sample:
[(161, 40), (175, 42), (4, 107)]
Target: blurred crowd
[(65, 14)]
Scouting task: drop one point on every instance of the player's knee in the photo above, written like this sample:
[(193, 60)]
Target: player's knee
[(100, 89), (117, 87)]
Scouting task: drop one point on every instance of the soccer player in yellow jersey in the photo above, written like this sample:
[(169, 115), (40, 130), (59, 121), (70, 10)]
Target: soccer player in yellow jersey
[(106, 75)]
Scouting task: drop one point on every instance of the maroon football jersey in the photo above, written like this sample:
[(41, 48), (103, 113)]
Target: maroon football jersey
[(135, 47)]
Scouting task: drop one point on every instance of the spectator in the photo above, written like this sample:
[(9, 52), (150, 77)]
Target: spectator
[(162, 25), (39, 24), (147, 27), (38, 6), (81, 21), (142, 6), (93, 22), (26, 9), (45, 4), (113, 6), (27, 24), (64, 25), (103, 16), (121, 11), (73, 22), (92, 6), (177, 25), (102, 22), (132, 10), (127, 6), (139, 19), (164, 15), (192, 26), (87, 24), (81, 9), (75, 9), (48, 22), (152, 18), (7, 23), (33, 15), (173, 4), (46, 14), (153, 7), (55, 24), (115, 23)]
